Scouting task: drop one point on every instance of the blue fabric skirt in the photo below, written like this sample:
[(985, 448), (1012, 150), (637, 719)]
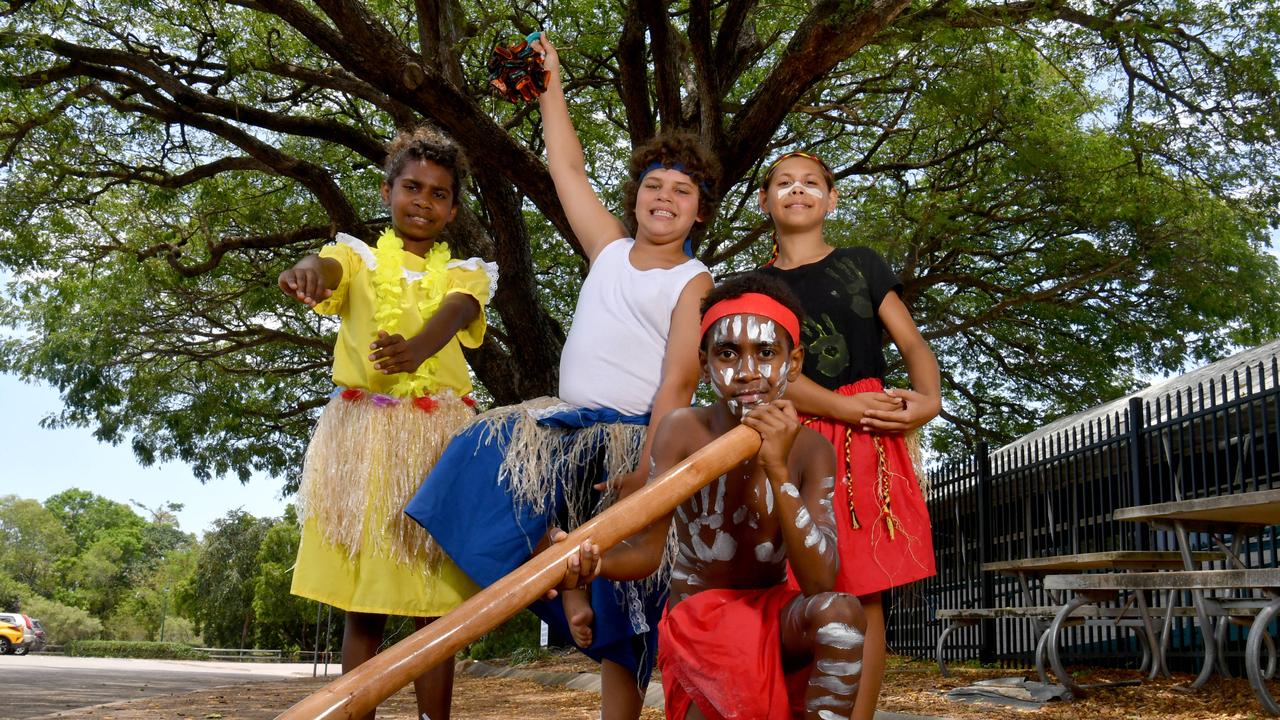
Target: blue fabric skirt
[(488, 532)]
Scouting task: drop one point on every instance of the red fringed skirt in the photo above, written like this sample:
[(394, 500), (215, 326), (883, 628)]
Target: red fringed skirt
[(881, 519), (722, 651)]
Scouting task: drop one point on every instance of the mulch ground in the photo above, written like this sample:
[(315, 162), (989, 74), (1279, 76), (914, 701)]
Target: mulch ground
[(910, 687)]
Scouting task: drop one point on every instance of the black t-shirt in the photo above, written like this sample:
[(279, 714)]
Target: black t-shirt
[(841, 296)]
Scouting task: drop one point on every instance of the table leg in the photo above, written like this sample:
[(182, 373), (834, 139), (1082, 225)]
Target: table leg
[(951, 627), (1157, 657), (1202, 617), (1052, 641), (1253, 654)]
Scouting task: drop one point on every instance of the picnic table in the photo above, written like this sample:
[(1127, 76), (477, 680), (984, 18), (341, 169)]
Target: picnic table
[(1236, 516), (1028, 570)]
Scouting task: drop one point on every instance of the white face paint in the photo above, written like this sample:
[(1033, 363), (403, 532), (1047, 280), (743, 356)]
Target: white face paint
[(816, 192), (740, 514), (731, 375), (789, 489)]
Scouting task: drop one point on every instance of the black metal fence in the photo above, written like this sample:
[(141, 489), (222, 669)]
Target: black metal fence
[(1055, 495)]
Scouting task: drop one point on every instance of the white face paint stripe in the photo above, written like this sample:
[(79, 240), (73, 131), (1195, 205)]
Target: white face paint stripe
[(769, 332), (816, 192), (828, 715), (789, 489), (839, 636), (740, 514)]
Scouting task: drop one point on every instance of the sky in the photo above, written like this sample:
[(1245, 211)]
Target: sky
[(39, 463)]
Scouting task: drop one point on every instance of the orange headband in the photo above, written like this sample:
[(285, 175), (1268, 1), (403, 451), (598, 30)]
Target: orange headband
[(753, 304)]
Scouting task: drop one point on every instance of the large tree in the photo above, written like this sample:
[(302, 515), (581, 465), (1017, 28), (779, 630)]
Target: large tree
[(1074, 192)]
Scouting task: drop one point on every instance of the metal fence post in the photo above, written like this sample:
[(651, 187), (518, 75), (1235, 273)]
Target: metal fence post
[(1138, 471), (987, 633)]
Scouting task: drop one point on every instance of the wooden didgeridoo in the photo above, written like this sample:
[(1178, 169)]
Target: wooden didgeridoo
[(361, 690)]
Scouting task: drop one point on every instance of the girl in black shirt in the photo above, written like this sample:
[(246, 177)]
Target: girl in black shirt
[(851, 298)]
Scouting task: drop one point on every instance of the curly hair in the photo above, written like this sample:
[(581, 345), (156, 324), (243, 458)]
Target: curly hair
[(669, 149), (425, 143), (752, 282)]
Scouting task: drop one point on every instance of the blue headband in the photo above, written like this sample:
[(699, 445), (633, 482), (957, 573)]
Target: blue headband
[(678, 167)]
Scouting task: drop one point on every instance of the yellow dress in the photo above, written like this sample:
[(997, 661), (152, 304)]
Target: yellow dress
[(370, 451)]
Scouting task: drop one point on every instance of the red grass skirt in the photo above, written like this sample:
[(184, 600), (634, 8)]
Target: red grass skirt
[(882, 522), (722, 651)]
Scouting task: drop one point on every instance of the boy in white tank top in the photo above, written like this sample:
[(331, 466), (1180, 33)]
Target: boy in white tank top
[(630, 359)]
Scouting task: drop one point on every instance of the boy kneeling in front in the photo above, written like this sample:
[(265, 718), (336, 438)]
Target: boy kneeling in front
[(738, 639)]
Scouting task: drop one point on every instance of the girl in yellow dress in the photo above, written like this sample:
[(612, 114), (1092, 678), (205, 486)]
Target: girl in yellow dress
[(407, 308)]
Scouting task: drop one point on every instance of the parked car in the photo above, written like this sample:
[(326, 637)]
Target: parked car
[(15, 635), (41, 638)]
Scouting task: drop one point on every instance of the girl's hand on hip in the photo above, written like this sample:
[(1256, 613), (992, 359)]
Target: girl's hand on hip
[(915, 409)]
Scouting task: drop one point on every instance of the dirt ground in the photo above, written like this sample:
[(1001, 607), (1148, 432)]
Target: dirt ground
[(910, 687)]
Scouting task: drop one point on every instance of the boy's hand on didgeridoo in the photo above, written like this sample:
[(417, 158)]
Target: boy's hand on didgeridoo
[(393, 354), (778, 426), (580, 568), (304, 284)]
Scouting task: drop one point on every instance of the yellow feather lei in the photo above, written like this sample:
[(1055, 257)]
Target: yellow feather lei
[(389, 289)]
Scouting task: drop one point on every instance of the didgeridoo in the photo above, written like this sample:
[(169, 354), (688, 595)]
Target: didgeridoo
[(361, 690)]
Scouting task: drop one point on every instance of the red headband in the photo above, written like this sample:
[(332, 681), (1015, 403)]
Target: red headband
[(753, 304)]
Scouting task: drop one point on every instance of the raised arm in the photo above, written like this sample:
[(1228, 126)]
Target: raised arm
[(591, 221)]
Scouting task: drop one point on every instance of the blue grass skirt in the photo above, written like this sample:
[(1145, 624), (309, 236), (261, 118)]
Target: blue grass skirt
[(515, 472)]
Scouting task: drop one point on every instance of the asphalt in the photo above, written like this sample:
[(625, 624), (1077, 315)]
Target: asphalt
[(53, 683), (60, 683)]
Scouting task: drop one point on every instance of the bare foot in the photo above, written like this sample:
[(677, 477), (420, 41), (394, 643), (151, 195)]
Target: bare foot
[(577, 608)]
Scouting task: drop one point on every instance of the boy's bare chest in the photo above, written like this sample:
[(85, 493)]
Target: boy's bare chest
[(728, 521)]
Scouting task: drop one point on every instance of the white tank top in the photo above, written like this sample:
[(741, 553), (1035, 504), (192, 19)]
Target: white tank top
[(612, 357)]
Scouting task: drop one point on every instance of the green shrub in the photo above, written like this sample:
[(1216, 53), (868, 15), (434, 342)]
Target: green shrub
[(517, 635), (134, 649), (63, 624)]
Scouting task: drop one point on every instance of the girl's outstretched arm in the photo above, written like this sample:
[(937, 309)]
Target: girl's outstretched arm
[(591, 221), (923, 401), (394, 354), (311, 280)]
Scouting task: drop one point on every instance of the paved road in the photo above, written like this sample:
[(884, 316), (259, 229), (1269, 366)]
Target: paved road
[(41, 684)]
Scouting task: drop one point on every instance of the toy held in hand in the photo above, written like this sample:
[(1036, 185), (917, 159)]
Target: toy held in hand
[(517, 71)]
